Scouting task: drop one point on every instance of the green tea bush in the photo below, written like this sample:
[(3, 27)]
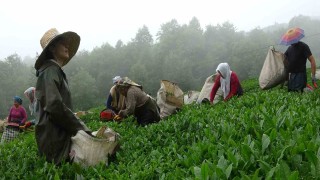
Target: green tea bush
[(269, 134)]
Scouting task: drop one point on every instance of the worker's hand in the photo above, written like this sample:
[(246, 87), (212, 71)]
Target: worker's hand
[(315, 85), (310, 87), (28, 124), (117, 118), (314, 81)]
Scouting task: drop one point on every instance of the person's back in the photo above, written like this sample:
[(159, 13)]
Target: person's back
[(297, 55), (138, 103)]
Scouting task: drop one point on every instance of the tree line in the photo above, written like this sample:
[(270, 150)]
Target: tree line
[(183, 53)]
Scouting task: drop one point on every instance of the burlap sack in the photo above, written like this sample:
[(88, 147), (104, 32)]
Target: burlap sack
[(206, 90), (3, 124), (89, 151), (191, 97), (169, 98), (273, 71)]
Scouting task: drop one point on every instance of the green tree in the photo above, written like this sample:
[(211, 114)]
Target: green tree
[(83, 90)]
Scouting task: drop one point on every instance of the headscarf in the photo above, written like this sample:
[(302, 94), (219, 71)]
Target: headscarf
[(225, 71), (116, 79), (17, 99), (30, 94)]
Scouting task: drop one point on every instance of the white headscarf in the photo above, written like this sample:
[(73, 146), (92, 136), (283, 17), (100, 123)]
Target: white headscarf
[(30, 94), (116, 79), (225, 71)]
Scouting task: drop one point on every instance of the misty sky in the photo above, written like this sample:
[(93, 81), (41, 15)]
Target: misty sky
[(99, 21)]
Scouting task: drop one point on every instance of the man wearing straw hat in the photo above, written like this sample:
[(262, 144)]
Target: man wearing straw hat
[(56, 122)]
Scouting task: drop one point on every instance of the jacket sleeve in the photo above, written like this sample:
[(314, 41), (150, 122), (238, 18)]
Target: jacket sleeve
[(215, 88), (130, 104), (52, 102), (234, 85)]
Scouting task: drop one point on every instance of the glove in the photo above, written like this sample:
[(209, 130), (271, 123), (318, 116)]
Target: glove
[(314, 82), (117, 118)]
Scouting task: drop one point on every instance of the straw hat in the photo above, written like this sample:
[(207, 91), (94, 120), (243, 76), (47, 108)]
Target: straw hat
[(126, 82), (72, 39)]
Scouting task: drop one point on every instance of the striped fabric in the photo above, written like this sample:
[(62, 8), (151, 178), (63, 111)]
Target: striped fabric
[(9, 134)]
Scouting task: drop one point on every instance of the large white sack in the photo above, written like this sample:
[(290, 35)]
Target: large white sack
[(169, 98), (191, 97), (206, 90), (273, 71), (90, 151), (317, 75)]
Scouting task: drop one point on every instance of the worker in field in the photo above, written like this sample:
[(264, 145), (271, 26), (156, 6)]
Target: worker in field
[(115, 101), (228, 81), (16, 119), (56, 122), (30, 94), (138, 103), (296, 58)]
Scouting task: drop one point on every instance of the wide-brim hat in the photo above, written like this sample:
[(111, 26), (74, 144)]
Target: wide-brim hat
[(71, 39), (292, 36), (126, 82)]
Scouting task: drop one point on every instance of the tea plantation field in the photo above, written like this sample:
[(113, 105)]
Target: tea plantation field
[(269, 134)]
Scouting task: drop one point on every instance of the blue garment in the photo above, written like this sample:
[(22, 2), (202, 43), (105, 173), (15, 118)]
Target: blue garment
[(108, 103)]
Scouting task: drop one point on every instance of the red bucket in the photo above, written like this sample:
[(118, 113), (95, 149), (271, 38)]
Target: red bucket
[(107, 115)]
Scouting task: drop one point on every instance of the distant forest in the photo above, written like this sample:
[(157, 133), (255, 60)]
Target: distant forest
[(182, 53)]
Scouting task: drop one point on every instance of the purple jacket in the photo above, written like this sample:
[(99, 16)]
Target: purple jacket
[(17, 116)]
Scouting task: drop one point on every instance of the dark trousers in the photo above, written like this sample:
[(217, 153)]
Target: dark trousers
[(148, 113), (297, 81)]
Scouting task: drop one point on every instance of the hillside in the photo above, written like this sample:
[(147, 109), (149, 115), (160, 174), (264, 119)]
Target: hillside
[(269, 134)]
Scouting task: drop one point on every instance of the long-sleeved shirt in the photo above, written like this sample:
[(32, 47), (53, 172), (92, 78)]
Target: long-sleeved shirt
[(234, 86), (135, 98), (17, 116), (56, 121)]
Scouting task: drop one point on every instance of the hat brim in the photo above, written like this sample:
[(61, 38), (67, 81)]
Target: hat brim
[(72, 40), (122, 85)]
